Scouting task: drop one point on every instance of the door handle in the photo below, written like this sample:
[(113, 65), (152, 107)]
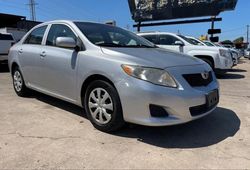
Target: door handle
[(20, 51), (43, 54)]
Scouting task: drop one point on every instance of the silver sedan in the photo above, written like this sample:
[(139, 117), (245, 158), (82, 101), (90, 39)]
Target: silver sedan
[(115, 75)]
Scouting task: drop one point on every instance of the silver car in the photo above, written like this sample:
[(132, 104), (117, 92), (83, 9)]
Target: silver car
[(115, 75)]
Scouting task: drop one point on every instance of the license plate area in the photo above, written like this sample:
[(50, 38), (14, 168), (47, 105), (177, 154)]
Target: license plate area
[(212, 98)]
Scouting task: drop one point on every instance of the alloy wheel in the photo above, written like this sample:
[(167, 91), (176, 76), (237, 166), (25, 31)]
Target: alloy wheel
[(18, 82), (100, 105)]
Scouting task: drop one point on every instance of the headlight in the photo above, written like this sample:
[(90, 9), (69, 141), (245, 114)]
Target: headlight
[(152, 75), (225, 53)]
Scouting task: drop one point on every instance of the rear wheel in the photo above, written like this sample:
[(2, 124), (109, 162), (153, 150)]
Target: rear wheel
[(103, 106), (19, 84)]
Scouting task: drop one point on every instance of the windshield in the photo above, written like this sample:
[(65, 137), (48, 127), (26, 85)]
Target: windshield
[(196, 42), (209, 44), (188, 40), (111, 36)]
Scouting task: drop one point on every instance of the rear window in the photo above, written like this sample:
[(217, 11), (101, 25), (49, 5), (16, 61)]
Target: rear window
[(36, 36), (6, 37)]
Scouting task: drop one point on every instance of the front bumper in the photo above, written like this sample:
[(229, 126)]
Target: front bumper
[(137, 95), (223, 63)]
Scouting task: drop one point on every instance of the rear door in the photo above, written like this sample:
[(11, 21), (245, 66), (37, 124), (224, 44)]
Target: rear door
[(59, 64), (29, 53)]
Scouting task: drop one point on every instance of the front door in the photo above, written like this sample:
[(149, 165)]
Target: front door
[(60, 64)]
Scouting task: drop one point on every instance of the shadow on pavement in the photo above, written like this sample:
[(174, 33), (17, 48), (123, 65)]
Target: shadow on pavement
[(59, 103), (237, 70), (4, 68), (231, 76), (218, 126), (212, 129)]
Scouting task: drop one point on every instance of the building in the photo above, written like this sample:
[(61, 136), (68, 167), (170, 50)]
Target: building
[(16, 21)]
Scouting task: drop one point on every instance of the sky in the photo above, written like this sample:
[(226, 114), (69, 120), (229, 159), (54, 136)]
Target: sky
[(234, 23)]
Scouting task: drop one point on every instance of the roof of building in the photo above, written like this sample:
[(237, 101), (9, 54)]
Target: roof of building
[(9, 20)]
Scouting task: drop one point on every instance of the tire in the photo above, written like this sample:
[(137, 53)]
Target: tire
[(105, 115), (208, 62), (19, 84)]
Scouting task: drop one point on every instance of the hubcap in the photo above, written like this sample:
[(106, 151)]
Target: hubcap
[(18, 82), (100, 105)]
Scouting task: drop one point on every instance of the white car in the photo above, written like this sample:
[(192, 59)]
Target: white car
[(247, 53), (219, 59), (234, 53), (6, 41)]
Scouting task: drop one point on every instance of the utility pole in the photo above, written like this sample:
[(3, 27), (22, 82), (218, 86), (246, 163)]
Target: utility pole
[(32, 4), (247, 35)]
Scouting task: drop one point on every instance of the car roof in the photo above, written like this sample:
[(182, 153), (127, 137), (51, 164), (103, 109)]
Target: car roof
[(156, 33), (65, 21)]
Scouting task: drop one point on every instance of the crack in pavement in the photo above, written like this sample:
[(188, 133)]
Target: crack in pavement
[(41, 137)]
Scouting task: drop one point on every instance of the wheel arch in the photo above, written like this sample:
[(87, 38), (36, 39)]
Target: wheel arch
[(210, 58), (13, 66), (90, 79)]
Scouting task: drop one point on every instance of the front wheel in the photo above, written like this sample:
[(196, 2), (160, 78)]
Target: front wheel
[(103, 106)]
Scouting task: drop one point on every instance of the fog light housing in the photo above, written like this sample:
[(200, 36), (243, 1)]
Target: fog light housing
[(158, 111)]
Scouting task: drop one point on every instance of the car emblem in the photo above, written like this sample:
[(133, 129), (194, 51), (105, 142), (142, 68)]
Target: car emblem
[(205, 75)]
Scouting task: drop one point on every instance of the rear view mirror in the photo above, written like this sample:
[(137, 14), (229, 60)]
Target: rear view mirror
[(180, 43), (66, 42)]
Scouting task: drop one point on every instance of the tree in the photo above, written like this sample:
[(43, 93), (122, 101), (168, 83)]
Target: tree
[(239, 40), (227, 42)]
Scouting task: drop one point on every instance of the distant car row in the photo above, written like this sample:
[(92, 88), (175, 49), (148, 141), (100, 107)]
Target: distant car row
[(219, 58)]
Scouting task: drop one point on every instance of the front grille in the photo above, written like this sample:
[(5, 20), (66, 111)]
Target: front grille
[(200, 110), (196, 80)]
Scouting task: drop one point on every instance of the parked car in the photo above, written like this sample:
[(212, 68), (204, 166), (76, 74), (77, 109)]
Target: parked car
[(16, 33), (219, 59), (247, 53), (235, 53), (115, 75), (6, 41)]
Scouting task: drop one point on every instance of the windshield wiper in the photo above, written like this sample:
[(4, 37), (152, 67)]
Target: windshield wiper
[(142, 46), (109, 45), (126, 46)]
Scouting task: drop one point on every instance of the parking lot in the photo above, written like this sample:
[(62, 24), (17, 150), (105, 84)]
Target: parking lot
[(44, 132)]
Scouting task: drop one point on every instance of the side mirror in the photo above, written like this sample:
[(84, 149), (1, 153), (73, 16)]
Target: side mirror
[(180, 43), (65, 42)]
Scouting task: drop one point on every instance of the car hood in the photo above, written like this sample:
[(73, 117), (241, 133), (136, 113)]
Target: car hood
[(208, 48), (152, 57)]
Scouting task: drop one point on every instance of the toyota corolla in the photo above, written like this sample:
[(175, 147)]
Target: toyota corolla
[(115, 75)]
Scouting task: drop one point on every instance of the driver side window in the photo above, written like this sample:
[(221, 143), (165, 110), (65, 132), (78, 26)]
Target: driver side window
[(167, 40), (59, 30)]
